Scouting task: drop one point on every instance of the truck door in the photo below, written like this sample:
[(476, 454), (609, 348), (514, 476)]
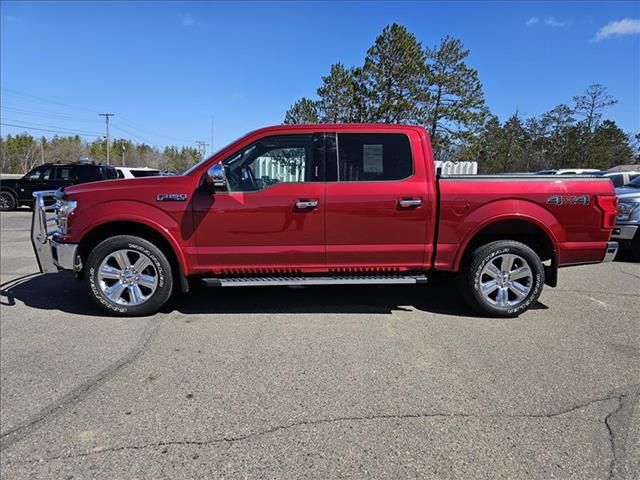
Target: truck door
[(379, 205), (63, 176), (37, 179), (270, 219)]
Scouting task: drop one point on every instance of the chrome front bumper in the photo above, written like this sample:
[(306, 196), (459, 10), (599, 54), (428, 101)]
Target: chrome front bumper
[(51, 254), (612, 250), (624, 232)]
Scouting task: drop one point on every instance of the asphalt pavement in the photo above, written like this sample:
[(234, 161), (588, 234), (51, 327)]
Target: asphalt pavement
[(321, 382)]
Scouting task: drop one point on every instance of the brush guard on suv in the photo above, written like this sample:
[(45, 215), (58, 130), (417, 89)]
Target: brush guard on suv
[(51, 254)]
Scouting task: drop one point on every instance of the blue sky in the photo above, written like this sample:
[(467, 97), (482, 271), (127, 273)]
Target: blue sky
[(165, 68)]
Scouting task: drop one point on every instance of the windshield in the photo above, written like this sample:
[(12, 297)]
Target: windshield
[(206, 159), (635, 183)]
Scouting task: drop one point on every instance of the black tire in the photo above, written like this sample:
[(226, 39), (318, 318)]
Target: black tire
[(7, 201), (635, 247), (477, 272), (158, 268)]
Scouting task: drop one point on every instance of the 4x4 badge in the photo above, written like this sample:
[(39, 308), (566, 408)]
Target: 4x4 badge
[(171, 197), (569, 200)]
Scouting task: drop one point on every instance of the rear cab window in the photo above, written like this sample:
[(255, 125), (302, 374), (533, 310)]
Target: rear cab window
[(368, 157)]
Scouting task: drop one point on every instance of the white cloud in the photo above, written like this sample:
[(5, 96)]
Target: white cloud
[(626, 26), (552, 22), (188, 21), (532, 21)]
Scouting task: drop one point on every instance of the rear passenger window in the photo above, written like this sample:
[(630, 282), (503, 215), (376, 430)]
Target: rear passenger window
[(366, 157), (66, 173)]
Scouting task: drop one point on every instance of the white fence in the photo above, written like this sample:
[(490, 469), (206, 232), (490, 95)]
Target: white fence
[(279, 170), (457, 168)]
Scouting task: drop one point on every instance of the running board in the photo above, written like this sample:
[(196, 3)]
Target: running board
[(306, 281)]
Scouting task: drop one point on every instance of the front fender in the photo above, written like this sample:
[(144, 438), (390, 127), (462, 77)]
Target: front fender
[(509, 209), (86, 220)]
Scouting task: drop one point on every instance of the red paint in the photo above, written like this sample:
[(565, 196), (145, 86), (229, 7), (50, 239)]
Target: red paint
[(356, 226)]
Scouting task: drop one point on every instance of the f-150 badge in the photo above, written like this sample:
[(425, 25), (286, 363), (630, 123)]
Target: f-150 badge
[(569, 200), (171, 197)]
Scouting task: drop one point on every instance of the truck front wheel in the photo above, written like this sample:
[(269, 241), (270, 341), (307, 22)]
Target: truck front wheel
[(503, 278), (7, 201), (128, 276)]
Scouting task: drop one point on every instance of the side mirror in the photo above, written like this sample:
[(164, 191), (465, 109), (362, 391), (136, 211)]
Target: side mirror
[(216, 176)]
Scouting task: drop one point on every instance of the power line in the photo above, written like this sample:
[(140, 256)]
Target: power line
[(40, 113), (116, 127), (28, 95), (76, 107), (43, 125), (168, 137), (79, 133), (38, 124)]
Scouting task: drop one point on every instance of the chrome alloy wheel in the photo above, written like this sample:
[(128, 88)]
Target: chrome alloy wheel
[(5, 201), (505, 280), (128, 277)]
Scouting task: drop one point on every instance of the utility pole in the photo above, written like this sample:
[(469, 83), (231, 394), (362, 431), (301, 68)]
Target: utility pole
[(202, 147), (106, 119), (123, 149), (42, 150), (211, 134)]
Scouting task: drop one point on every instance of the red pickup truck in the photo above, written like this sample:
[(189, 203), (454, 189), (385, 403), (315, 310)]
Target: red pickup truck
[(324, 204)]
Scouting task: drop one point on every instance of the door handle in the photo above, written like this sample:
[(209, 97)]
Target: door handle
[(409, 202), (306, 204)]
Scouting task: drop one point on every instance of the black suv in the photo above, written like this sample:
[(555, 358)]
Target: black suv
[(50, 176)]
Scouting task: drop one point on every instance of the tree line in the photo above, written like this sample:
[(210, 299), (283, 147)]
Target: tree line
[(20, 153), (400, 81)]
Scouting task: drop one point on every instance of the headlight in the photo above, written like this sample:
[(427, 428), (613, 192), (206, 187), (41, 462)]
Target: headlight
[(625, 210), (64, 209)]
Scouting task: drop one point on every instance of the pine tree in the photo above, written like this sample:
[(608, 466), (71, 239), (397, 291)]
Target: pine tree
[(339, 96), (303, 111), (394, 75), (591, 104), (456, 101)]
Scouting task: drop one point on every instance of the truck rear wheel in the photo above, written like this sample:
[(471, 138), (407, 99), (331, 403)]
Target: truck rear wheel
[(128, 276), (503, 278)]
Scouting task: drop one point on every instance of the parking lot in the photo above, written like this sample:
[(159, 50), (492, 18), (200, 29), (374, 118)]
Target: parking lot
[(325, 382)]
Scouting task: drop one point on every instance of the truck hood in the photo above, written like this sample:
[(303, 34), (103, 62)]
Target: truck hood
[(123, 186), (627, 192)]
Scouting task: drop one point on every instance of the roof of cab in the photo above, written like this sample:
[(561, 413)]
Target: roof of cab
[(354, 127)]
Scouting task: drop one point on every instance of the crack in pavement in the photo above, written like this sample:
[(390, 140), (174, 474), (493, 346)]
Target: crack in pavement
[(612, 443), (628, 273), (303, 423), (617, 436), (75, 395)]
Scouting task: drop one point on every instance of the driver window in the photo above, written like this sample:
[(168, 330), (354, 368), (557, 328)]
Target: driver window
[(39, 174), (271, 160)]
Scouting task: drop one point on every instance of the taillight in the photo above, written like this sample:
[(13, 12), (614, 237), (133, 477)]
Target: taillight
[(608, 204)]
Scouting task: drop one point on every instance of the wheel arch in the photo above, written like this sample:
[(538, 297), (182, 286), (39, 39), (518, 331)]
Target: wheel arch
[(526, 230), (9, 190), (131, 227)]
